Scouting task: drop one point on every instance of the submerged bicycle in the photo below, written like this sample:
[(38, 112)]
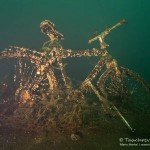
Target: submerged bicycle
[(32, 79)]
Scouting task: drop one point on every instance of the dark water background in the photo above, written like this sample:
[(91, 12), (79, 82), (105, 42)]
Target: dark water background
[(78, 20)]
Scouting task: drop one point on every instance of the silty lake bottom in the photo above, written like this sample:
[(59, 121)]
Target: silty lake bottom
[(109, 135)]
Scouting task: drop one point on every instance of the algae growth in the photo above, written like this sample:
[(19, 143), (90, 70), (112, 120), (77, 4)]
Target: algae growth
[(37, 96)]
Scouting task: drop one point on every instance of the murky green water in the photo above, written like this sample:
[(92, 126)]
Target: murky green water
[(78, 20)]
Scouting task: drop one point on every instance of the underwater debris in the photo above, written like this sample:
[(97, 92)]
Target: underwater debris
[(40, 100)]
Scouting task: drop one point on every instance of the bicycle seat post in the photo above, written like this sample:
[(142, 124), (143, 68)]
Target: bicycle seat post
[(48, 28)]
